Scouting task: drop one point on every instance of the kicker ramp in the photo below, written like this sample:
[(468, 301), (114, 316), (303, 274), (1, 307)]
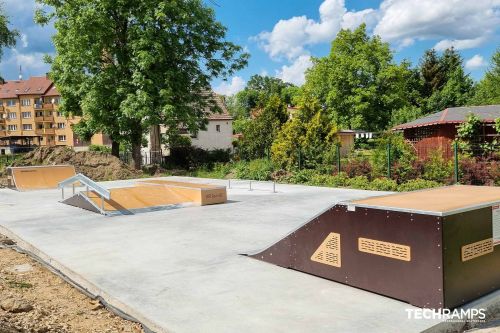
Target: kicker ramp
[(145, 196), (436, 248), (38, 177)]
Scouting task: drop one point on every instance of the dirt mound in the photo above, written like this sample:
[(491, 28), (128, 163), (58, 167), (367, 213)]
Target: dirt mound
[(95, 165)]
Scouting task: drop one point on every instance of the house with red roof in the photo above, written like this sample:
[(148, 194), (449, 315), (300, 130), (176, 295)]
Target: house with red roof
[(438, 130)]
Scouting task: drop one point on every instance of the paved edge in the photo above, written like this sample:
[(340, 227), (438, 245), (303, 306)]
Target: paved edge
[(80, 282)]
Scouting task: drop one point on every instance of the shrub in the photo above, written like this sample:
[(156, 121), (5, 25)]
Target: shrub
[(260, 169), (476, 171), (189, 157), (383, 184), (402, 172), (417, 184), (437, 168), (303, 176), (358, 167), (219, 171), (100, 148), (359, 182), (402, 155)]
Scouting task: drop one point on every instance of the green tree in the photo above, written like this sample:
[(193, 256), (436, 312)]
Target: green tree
[(488, 89), (444, 81), (128, 65), (7, 36), (257, 93), (259, 134), (310, 135), (358, 83)]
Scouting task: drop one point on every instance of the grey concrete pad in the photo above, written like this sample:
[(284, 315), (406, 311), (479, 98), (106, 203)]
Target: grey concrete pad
[(181, 270)]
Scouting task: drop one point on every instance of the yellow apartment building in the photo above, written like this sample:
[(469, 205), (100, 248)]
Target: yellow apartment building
[(29, 117)]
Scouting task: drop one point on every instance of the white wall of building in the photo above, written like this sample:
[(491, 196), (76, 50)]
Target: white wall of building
[(218, 135)]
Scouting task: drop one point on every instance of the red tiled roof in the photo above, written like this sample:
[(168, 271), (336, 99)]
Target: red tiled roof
[(220, 103), (457, 115), (10, 89), (35, 85), (52, 91)]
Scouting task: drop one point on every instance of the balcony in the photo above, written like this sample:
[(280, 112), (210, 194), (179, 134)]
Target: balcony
[(2, 108), (3, 133), (44, 119), (38, 106), (48, 106), (14, 133), (45, 131)]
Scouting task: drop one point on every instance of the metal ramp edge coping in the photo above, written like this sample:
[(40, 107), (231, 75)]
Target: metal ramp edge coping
[(90, 184)]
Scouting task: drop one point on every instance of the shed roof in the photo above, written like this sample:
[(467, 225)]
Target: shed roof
[(487, 113)]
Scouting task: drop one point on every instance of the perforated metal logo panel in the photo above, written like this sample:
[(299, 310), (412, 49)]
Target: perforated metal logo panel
[(328, 252), (477, 249), (385, 249)]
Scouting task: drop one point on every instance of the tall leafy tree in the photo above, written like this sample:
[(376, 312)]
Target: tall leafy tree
[(432, 73), (358, 83), (129, 64), (488, 89), (7, 35)]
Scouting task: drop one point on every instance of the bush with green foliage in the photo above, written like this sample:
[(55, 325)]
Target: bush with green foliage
[(189, 157), (259, 169), (438, 169), (417, 184), (402, 154), (100, 148)]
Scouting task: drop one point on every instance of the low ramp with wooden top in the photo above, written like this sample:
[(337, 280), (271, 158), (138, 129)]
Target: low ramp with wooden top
[(38, 177), (435, 248), (144, 196)]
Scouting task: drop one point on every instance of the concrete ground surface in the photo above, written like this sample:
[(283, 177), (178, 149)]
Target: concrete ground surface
[(180, 270)]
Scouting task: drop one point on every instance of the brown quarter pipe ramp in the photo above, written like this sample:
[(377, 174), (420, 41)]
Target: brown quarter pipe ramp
[(38, 177), (437, 248)]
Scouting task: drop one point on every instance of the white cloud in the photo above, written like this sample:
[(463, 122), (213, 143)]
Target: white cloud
[(460, 44), (289, 37), (461, 20), (475, 62), (295, 72), (24, 40), (32, 64), (352, 20), (230, 88)]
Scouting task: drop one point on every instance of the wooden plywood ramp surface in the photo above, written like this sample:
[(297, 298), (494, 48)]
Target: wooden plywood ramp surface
[(38, 177), (149, 195)]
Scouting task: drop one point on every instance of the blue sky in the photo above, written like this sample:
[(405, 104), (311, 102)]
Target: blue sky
[(282, 35)]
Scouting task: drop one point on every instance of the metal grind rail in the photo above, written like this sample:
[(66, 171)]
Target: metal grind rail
[(251, 184), (89, 183)]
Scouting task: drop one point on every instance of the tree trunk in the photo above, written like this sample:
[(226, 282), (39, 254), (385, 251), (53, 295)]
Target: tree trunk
[(155, 142), (136, 150), (115, 148)]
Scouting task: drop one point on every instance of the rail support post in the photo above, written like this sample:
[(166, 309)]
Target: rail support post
[(455, 153), (389, 160)]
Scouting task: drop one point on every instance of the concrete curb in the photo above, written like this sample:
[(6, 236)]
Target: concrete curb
[(77, 281)]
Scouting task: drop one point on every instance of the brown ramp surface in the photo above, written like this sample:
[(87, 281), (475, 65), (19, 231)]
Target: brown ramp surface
[(38, 177), (138, 197)]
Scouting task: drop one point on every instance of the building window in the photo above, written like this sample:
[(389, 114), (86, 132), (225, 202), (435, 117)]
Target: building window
[(39, 114), (1, 103), (26, 115), (12, 127), (59, 114), (25, 102), (27, 127), (12, 115), (61, 138), (11, 102), (217, 128), (61, 125)]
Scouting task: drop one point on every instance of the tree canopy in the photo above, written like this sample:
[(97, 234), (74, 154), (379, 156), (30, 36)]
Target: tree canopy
[(129, 64), (358, 83), (488, 89)]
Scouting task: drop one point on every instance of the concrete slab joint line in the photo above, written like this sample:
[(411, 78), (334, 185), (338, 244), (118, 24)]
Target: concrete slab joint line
[(179, 270)]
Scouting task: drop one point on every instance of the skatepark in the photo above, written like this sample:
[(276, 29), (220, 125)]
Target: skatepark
[(189, 268)]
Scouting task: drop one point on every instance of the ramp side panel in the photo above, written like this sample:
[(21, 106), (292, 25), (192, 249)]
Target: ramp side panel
[(418, 280), (138, 197), (80, 201), (201, 194), (40, 177)]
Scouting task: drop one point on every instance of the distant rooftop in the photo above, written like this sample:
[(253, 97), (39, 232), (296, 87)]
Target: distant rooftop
[(487, 113), (35, 85)]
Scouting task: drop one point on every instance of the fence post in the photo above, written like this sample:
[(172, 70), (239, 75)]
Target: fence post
[(300, 162), (389, 160), (338, 158), (455, 152)]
